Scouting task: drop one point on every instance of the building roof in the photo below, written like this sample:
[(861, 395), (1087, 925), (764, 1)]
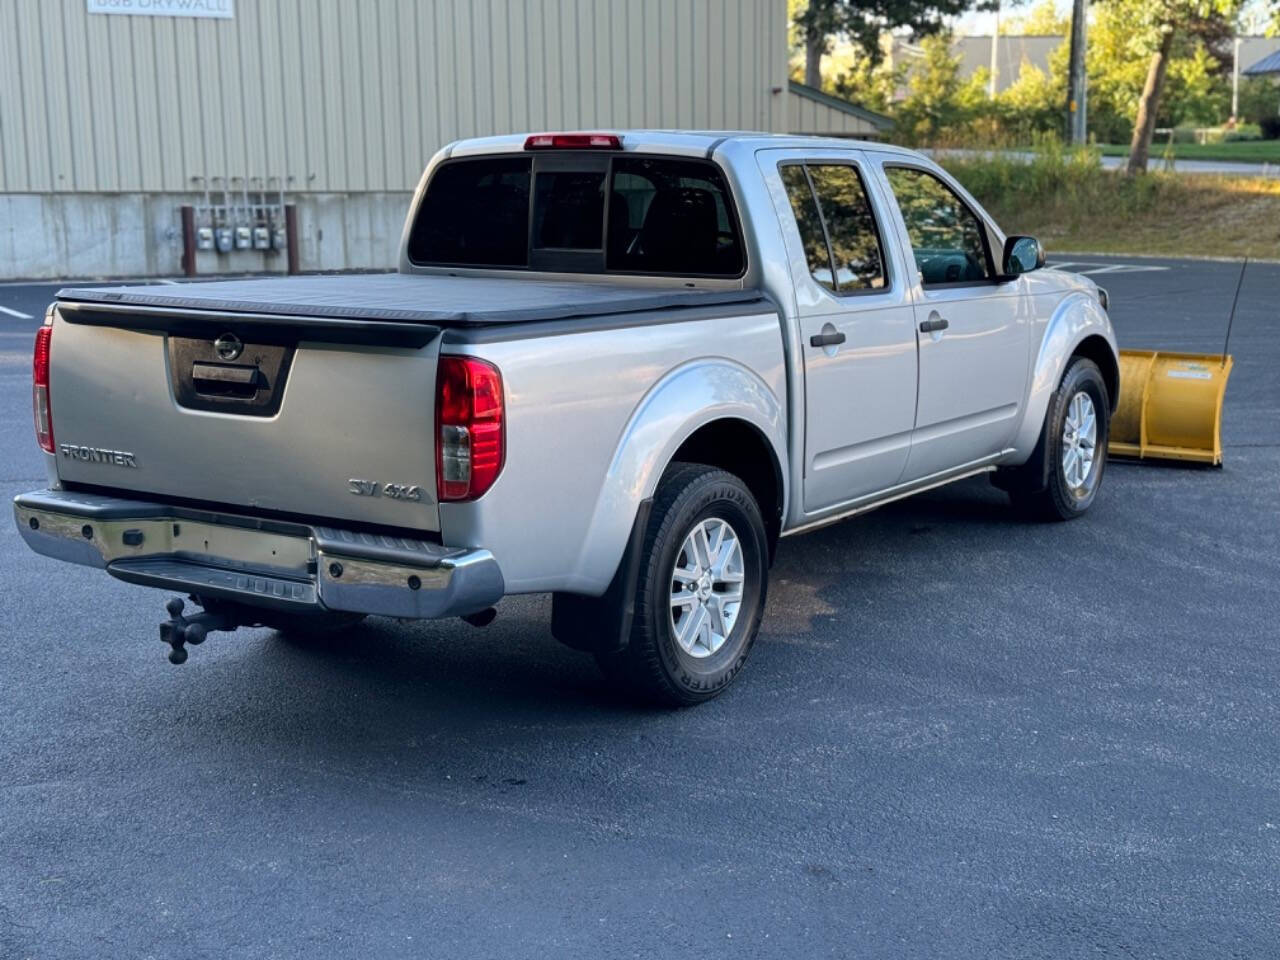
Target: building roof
[(877, 120), (1269, 64)]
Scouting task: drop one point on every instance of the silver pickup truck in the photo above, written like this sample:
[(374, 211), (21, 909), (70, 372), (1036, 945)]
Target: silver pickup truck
[(616, 367)]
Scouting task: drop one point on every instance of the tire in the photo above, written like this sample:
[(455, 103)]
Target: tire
[(1060, 481), (670, 660)]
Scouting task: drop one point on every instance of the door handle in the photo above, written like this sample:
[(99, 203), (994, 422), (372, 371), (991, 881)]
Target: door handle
[(826, 339), (933, 324)]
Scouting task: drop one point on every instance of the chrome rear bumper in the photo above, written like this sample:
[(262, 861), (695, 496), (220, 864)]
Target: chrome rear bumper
[(279, 565)]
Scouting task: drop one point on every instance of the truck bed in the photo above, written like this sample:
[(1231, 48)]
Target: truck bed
[(437, 300)]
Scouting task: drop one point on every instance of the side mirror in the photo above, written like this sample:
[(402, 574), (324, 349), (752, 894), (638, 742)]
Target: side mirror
[(1022, 255)]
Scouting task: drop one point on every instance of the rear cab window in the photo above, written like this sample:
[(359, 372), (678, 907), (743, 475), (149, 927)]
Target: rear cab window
[(580, 212)]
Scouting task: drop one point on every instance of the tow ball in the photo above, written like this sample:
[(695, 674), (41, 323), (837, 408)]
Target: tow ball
[(178, 631)]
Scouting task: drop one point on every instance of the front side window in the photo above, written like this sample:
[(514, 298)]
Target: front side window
[(837, 226), (946, 236)]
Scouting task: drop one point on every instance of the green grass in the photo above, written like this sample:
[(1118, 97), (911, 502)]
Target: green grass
[(1071, 203), (1237, 151)]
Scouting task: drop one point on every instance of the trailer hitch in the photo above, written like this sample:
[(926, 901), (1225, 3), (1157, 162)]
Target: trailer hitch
[(179, 630)]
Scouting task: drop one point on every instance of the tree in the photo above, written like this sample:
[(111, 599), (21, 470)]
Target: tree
[(863, 21), (1155, 26)]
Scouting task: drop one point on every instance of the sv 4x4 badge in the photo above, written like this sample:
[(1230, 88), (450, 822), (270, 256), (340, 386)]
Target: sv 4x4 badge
[(396, 491)]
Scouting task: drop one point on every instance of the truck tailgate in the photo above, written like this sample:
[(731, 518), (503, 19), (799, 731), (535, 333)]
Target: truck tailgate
[(221, 409), (309, 395)]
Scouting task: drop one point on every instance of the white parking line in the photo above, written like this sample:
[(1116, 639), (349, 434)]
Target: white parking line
[(16, 313), (1077, 266)]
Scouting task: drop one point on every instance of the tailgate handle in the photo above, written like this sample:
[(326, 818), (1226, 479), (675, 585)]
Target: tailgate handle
[(224, 379)]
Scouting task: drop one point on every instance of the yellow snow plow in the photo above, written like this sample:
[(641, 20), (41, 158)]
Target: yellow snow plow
[(1171, 403), (1170, 406)]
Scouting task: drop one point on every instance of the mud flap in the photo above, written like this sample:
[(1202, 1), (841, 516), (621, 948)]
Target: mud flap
[(603, 624)]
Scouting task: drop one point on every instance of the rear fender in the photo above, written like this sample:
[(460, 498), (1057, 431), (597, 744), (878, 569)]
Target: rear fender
[(686, 399), (1076, 318)]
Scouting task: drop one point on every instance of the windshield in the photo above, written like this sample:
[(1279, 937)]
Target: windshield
[(580, 213)]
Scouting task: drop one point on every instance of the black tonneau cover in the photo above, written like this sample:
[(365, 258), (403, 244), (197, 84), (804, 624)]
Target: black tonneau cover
[(438, 300)]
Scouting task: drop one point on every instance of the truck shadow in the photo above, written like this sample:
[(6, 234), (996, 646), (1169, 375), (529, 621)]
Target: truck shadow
[(403, 683)]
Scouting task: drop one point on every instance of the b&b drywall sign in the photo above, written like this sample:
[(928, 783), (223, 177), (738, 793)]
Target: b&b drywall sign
[(216, 9)]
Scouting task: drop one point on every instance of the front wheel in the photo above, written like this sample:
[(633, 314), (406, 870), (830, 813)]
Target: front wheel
[(1061, 480), (701, 590)]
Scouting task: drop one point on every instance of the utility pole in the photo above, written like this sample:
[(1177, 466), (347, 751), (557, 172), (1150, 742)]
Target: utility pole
[(993, 85), (1235, 85), (1077, 83)]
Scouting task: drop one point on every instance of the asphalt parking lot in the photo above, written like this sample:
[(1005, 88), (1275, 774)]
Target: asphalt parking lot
[(961, 735)]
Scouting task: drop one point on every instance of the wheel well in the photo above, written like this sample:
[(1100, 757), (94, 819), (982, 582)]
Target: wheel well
[(741, 449), (1097, 349)]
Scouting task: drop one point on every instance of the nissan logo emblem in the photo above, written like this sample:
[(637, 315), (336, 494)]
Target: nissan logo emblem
[(228, 347)]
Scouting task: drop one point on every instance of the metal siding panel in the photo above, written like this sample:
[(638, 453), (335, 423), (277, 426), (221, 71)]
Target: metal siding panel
[(13, 128), (365, 64), (102, 102), (553, 65), (231, 118), (425, 56), (624, 63), (464, 80), (304, 41), (33, 134), (482, 67), (343, 106), (274, 147), (61, 172), (446, 85), (80, 119), (396, 21), (606, 67), (583, 32), (192, 122), (500, 76), (152, 142), (124, 92), (411, 95), (172, 160), (535, 77), (699, 37), (519, 44), (716, 57), (663, 41)]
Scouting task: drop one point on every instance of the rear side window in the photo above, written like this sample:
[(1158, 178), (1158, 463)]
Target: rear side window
[(946, 236), (851, 256), (813, 235), (587, 213), (475, 214)]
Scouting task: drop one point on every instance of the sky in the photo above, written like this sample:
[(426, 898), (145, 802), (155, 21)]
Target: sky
[(1255, 16)]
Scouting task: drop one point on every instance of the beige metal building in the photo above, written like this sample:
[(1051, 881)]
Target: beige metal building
[(111, 121)]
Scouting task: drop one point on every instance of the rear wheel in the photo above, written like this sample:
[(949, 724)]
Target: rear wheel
[(1061, 479), (701, 590)]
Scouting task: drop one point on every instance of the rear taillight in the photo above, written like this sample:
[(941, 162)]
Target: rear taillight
[(40, 387), (470, 431)]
